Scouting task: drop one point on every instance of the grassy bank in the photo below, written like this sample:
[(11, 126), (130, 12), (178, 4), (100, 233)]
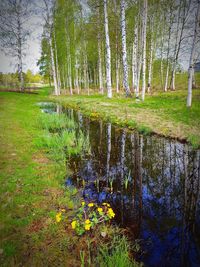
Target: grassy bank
[(162, 113), (32, 193)]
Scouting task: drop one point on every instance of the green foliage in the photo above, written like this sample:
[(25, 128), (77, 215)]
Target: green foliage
[(144, 130), (44, 61), (29, 77), (115, 255)]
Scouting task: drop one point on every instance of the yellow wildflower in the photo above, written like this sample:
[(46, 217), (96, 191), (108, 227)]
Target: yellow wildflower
[(87, 227), (110, 213), (106, 204), (100, 210), (83, 203), (63, 210), (90, 204), (87, 224), (58, 217), (87, 221), (73, 224)]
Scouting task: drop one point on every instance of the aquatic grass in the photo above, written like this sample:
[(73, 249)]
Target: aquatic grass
[(55, 122), (111, 179), (116, 254), (63, 143), (127, 180)]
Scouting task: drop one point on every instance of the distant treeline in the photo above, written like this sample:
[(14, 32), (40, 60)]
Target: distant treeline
[(11, 80)]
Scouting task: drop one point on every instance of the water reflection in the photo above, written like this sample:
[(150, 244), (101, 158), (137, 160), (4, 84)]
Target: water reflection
[(152, 184)]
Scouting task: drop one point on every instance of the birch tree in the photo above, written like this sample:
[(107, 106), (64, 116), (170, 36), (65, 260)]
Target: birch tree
[(170, 23), (144, 27), (116, 46), (108, 53), (124, 53), (14, 15), (99, 53), (48, 17), (192, 54)]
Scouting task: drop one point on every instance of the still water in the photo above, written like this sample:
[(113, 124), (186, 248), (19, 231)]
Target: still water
[(152, 183)]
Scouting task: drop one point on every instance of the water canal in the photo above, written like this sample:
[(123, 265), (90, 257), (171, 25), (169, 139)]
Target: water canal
[(152, 183)]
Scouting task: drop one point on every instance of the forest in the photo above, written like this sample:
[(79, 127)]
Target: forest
[(100, 133), (118, 46)]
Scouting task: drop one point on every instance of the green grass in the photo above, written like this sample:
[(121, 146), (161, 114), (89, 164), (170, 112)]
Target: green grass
[(59, 138), (162, 113), (117, 254), (32, 191), (55, 122)]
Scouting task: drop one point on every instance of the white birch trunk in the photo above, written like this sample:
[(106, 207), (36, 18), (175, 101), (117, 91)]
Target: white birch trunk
[(70, 74), (57, 67), (124, 53), (117, 74), (166, 77), (161, 62), (76, 74), (100, 65), (150, 60), (134, 64), (191, 62), (53, 68), (19, 52), (172, 85), (117, 49), (144, 50), (99, 56), (108, 54)]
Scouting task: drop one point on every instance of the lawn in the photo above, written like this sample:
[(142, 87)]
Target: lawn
[(32, 194)]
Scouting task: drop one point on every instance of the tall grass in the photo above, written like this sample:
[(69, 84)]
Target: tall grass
[(55, 122), (116, 255), (60, 139)]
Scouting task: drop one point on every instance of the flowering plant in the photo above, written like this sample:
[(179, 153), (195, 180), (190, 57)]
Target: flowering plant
[(89, 215)]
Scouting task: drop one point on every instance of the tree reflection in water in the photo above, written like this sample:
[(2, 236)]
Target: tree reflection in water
[(160, 204)]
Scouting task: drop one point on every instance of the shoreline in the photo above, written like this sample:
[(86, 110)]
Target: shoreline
[(135, 117)]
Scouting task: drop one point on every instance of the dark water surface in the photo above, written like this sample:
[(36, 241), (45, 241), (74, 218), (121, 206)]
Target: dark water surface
[(152, 183)]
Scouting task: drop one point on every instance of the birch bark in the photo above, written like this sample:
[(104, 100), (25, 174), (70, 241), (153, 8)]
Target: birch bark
[(99, 56), (53, 67), (19, 41), (134, 60), (117, 47), (191, 62), (108, 54), (56, 63), (124, 53), (144, 50), (151, 54)]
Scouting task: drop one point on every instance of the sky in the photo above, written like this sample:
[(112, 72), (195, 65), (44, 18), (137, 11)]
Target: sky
[(7, 63)]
